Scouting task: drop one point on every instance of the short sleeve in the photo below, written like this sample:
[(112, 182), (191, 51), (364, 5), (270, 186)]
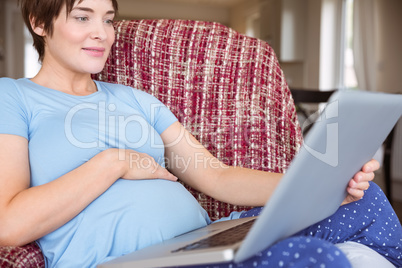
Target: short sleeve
[(159, 116), (13, 116)]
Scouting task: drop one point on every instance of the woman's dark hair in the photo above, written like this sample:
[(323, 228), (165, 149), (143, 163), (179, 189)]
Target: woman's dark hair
[(44, 12)]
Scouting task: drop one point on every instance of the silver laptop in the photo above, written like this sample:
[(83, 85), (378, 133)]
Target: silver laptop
[(348, 133)]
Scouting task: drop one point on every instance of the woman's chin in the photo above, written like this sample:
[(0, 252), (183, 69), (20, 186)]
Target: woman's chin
[(95, 70)]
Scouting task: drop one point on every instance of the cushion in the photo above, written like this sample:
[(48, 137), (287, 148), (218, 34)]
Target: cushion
[(361, 256)]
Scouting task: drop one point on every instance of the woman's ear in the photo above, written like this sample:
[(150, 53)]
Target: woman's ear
[(38, 29)]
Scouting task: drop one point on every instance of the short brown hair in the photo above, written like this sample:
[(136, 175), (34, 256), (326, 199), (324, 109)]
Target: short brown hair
[(45, 12)]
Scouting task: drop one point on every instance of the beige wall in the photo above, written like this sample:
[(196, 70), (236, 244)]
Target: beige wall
[(389, 45), (238, 14), (304, 70), (312, 45), (154, 9), (13, 38), (270, 30), (2, 38)]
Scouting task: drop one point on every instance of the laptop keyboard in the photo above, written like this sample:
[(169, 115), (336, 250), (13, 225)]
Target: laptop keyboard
[(224, 238)]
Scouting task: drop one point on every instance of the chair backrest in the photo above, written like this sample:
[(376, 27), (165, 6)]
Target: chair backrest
[(227, 89)]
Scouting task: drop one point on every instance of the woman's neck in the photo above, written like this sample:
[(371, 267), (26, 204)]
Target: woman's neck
[(70, 83)]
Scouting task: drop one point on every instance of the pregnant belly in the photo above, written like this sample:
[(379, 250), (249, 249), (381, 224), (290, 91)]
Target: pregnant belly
[(147, 211), (129, 216)]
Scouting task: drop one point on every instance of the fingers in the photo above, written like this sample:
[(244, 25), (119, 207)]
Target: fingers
[(361, 178), (142, 166), (359, 185), (355, 191), (360, 182), (163, 173), (355, 194), (371, 166)]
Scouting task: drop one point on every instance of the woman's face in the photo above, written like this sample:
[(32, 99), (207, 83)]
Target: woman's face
[(81, 42)]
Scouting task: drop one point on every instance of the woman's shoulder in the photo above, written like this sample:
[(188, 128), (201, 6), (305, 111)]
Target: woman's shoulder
[(10, 86), (6, 82)]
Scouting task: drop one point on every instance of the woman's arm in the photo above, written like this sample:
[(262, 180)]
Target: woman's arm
[(27, 214), (194, 165)]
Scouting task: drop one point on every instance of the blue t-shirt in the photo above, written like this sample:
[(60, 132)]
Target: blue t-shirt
[(64, 131)]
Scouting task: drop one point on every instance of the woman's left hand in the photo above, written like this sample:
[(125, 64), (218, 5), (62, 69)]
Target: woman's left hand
[(360, 182)]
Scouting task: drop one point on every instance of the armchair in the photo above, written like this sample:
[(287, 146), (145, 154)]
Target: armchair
[(226, 88)]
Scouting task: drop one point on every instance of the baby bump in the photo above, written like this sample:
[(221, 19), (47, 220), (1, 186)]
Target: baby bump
[(149, 211)]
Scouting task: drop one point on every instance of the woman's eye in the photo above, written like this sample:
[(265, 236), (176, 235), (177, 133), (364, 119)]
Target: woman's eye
[(109, 21), (82, 18)]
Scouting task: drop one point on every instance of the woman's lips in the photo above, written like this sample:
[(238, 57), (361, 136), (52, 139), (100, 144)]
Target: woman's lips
[(94, 51)]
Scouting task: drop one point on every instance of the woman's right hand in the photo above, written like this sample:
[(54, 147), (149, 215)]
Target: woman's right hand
[(139, 166)]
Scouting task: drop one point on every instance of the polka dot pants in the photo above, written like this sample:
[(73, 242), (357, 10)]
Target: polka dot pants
[(370, 221)]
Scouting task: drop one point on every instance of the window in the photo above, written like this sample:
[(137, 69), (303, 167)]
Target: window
[(31, 64), (348, 75)]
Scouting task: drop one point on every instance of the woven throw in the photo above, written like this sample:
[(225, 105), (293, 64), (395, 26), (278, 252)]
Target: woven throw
[(29, 256), (227, 89)]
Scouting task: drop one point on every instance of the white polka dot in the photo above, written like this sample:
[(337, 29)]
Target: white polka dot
[(297, 255), (319, 250), (281, 263)]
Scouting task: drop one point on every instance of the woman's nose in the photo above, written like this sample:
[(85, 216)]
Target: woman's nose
[(99, 31)]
